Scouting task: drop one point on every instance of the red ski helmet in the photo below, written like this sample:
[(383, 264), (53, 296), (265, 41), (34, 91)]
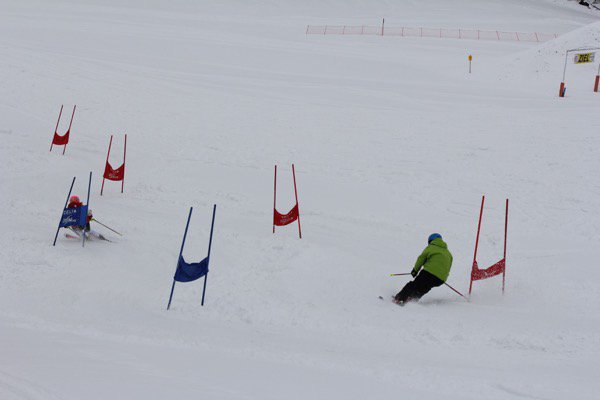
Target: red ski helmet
[(74, 199)]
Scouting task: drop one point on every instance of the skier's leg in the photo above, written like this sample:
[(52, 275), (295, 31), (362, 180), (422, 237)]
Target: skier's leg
[(76, 230), (95, 234), (424, 282), (407, 293)]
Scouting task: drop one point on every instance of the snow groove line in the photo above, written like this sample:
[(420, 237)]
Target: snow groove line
[(442, 33), (14, 388)]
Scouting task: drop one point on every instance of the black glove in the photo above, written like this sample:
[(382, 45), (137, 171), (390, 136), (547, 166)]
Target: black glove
[(414, 273)]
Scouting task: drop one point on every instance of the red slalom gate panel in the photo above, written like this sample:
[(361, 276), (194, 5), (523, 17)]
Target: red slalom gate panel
[(114, 174), (291, 216), (285, 219), (62, 140), (499, 267), (496, 269)]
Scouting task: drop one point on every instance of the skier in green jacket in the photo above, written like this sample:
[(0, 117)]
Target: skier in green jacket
[(431, 270)]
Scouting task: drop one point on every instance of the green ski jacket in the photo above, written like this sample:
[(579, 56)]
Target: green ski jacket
[(435, 259)]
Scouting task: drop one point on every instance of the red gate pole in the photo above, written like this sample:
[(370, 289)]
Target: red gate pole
[(297, 205), (69, 130), (505, 238), (476, 243), (107, 155), (274, 197), (124, 168), (561, 91), (56, 128)]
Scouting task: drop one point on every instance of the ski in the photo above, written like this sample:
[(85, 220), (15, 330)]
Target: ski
[(88, 237), (393, 299), (105, 239)]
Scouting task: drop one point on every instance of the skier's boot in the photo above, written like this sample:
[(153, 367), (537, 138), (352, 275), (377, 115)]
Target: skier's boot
[(397, 301)]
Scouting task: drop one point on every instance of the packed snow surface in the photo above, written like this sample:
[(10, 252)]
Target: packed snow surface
[(392, 140)]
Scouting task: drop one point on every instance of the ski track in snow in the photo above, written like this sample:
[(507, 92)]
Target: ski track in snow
[(392, 139)]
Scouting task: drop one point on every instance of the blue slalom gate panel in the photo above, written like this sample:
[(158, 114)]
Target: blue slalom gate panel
[(190, 272), (74, 217)]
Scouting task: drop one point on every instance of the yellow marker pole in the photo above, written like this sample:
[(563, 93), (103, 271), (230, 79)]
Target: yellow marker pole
[(470, 59)]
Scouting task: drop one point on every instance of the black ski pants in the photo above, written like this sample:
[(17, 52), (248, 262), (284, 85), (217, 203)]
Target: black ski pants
[(416, 289)]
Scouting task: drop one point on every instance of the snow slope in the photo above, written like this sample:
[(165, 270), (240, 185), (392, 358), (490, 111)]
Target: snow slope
[(392, 140)]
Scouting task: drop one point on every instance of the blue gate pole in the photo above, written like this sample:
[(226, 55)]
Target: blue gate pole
[(66, 202), (212, 225), (88, 206), (180, 253)]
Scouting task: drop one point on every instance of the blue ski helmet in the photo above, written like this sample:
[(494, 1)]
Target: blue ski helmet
[(433, 236)]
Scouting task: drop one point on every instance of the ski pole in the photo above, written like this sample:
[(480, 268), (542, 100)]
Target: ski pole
[(456, 291), (95, 220), (404, 273)]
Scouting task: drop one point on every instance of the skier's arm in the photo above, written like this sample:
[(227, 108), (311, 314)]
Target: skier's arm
[(420, 261)]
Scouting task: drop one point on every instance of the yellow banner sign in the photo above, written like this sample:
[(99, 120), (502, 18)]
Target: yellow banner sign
[(584, 58)]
